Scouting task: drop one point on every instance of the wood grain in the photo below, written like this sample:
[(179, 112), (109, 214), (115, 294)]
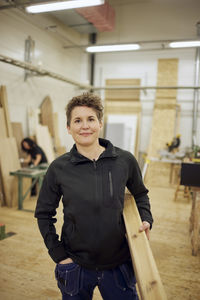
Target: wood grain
[(147, 275), (4, 104)]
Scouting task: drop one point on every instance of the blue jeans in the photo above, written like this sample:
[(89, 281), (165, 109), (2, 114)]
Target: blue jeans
[(78, 283)]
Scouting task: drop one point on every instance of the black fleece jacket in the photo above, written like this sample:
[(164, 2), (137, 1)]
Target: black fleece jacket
[(93, 233)]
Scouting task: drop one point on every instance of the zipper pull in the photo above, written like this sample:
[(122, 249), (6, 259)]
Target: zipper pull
[(94, 163)]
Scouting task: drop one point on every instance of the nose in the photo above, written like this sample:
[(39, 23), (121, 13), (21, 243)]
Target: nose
[(85, 124)]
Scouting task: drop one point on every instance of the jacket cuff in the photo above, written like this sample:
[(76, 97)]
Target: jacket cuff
[(59, 253)]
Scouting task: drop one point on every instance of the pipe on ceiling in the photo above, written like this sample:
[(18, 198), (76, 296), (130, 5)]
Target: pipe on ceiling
[(43, 72)]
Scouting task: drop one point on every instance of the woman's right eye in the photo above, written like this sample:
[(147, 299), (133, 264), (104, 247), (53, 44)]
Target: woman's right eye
[(77, 121)]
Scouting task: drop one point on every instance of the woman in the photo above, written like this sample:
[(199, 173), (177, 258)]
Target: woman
[(35, 156), (91, 180)]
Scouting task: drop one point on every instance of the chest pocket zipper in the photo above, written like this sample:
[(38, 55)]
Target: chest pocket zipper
[(110, 183)]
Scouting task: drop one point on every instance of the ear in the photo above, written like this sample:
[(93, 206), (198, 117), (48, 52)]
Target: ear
[(68, 129), (101, 124)]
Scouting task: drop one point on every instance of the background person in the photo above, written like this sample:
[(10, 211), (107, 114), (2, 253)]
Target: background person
[(35, 156)]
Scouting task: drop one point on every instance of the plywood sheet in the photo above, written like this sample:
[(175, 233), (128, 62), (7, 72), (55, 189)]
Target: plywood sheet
[(19, 136), (167, 76), (9, 161), (125, 94), (56, 131), (33, 120), (4, 104), (3, 130), (47, 117), (44, 140)]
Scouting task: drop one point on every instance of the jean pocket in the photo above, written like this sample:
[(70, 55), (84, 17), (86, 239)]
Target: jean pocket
[(124, 276), (68, 278)]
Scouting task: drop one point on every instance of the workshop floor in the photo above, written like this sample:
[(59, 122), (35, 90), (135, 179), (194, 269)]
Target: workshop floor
[(27, 272)]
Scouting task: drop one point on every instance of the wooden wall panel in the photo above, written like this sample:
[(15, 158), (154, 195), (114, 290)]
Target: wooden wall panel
[(122, 95)]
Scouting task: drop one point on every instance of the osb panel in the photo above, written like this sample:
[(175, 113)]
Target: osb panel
[(124, 107), (163, 127), (167, 76), (47, 114), (125, 94)]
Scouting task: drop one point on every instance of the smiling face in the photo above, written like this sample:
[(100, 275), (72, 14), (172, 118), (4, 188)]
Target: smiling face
[(84, 126)]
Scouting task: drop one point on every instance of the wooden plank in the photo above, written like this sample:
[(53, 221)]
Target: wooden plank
[(3, 129), (47, 117), (44, 140), (195, 221), (9, 161), (147, 275), (4, 104), (167, 76), (19, 136), (125, 94)]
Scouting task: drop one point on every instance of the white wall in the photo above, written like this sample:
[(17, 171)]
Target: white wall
[(136, 21), (143, 65), (15, 27)]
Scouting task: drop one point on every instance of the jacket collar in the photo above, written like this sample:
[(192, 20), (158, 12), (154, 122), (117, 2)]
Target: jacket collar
[(110, 151)]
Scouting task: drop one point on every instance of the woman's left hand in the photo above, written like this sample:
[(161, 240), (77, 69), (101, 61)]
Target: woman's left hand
[(145, 227)]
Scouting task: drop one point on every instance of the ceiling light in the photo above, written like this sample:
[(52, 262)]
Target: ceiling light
[(112, 48), (62, 5), (185, 44)]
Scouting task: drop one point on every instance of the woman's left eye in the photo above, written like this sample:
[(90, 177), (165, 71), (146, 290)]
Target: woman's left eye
[(91, 119)]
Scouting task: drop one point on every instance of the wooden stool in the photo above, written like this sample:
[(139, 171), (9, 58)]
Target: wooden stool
[(183, 190)]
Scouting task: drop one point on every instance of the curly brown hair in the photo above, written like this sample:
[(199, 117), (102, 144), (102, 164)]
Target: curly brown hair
[(86, 99)]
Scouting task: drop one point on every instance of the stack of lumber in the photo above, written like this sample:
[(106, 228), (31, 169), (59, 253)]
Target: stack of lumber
[(163, 123), (11, 135), (9, 157), (124, 101)]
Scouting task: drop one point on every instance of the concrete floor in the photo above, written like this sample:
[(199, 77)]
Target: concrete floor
[(27, 272)]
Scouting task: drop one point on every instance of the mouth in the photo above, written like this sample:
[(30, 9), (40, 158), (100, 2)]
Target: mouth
[(85, 133)]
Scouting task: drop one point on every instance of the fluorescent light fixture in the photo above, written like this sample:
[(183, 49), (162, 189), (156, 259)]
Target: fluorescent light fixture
[(184, 44), (112, 48), (62, 5)]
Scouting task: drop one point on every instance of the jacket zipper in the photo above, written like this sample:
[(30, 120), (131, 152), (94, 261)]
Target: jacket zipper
[(111, 183)]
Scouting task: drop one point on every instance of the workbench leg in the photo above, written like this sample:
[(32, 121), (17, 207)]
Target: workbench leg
[(196, 224), (20, 193), (40, 180)]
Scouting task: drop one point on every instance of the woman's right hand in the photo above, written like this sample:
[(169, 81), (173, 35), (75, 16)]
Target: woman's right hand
[(66, 261)]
